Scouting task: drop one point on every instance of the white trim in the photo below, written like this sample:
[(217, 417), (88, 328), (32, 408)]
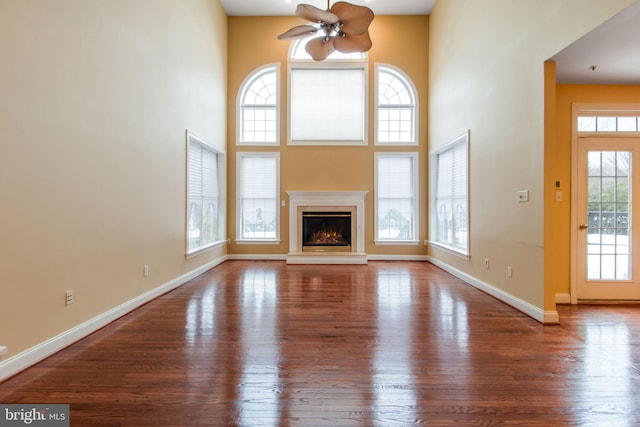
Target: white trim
[(415, 162), (326, 198), (37, 353), (578, 109), (411, 87), (221, 163), (216, 244), (450, 249), (333, 65), (240, 95), (563, 298), (258, 242), (239, 157), (546, 317), (327, 258), (464, 138), (375, 257), (396, 242), (256, 257)]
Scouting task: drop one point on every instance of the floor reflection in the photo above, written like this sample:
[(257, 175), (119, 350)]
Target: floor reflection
[(393, 383), (259, 387), (607, 369), (200, 318)]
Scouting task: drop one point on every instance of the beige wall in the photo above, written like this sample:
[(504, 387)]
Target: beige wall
[(558, 214), (401, 41), (487, 74), (96, 97)]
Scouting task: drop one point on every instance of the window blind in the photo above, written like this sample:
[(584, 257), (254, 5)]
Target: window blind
[(451, 196), (395, 197), (327, 104), (258, 196), (203, 195)]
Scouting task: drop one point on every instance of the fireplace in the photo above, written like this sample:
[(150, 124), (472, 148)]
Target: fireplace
[(342, 212), (326, 231)]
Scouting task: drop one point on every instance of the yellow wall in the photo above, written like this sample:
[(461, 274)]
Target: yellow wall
[(96, 97), (487, 74), (401, 41), (558, 214)]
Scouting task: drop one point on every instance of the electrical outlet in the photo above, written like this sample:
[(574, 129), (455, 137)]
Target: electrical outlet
[(3, 350), (68, 297), (486, 263), (145, 270), (509, 272)]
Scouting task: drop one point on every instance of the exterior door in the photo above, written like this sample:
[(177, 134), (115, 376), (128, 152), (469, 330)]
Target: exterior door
[(608, 244)]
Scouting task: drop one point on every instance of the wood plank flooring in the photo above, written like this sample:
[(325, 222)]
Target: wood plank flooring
[(386, 344)]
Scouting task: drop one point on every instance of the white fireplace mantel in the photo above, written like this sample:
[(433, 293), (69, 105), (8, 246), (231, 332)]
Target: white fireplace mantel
[(338, 200)]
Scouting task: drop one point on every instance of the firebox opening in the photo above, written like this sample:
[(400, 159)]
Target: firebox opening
[(326, 231)]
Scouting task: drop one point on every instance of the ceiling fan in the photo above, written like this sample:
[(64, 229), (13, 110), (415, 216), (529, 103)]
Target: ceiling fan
[(345, 28)]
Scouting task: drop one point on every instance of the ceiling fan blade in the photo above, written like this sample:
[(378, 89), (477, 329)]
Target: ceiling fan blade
[(355, 19), (313, 14), (299, 32), (319, 48), (350, 43)]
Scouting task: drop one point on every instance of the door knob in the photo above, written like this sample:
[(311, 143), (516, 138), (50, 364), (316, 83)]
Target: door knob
[(583, 226)]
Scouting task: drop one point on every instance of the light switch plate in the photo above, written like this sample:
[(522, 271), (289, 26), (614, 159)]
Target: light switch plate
[(522, 196)]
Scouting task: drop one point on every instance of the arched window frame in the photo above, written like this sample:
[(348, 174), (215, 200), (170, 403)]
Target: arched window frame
[(299, 60), (404, 83), (270, 126)]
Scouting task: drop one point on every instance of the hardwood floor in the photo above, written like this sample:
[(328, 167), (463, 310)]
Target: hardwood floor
[(384, 344)]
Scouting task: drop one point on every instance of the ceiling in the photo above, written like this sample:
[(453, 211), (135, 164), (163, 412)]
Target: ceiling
[(613, 47), (287, 7)]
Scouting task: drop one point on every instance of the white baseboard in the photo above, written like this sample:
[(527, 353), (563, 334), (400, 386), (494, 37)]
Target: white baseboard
[(563, 298), (33, 355), (374, 257), (543, 316), (256, 257), (369, 257)]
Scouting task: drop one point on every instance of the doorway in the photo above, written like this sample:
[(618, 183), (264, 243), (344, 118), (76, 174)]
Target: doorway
[(607, 254)]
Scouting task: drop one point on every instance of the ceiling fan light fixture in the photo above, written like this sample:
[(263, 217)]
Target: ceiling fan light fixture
[(345, 27)]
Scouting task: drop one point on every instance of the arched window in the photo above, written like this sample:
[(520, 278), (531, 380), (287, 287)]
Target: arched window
[(397, 107), (327, 99), (258, 116)]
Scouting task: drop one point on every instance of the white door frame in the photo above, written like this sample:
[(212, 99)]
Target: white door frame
[(581, 109)]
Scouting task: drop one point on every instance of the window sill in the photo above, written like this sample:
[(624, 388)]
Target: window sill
[(198, 251), (258, 242), (454, 251), (396, 242)]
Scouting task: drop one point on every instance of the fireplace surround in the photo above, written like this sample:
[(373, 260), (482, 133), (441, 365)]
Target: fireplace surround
[(327, 203)]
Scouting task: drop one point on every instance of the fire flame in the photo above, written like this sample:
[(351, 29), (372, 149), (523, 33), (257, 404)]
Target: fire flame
[(326, 237)]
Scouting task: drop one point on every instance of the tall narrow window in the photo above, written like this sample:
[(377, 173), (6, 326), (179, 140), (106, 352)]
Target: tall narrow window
[(205, 201), (396, 197), (449, 190), (396, 109), (258, 117), (258, 193)]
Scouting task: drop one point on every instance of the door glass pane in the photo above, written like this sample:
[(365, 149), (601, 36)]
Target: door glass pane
[(608, 244)]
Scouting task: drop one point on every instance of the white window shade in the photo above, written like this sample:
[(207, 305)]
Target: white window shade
[(327, 105), (204, 195), (258, 196), (396, 197), (450, 221)]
